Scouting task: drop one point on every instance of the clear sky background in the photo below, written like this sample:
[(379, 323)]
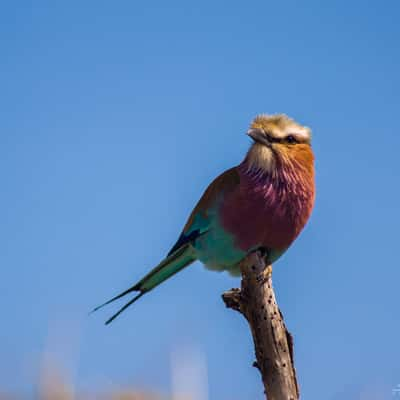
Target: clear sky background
[(114, 118)]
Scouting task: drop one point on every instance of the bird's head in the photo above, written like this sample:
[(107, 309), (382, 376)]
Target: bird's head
[(279, 141)]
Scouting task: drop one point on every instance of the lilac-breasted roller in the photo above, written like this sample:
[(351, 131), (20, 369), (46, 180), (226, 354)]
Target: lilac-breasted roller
[(264, 202)]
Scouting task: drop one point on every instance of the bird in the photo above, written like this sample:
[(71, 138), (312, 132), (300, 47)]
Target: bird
[(262, 203)]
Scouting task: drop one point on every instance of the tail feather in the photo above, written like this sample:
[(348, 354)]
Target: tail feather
[(172, 264), (124, 307), (134, 288)]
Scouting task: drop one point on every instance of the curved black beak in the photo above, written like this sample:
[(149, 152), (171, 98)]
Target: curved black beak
[(259, 136)]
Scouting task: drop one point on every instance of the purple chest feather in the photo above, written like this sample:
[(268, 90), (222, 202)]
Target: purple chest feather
[(268, 209)]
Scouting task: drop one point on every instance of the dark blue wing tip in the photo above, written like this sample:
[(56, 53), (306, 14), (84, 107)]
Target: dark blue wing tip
[(184, 239)]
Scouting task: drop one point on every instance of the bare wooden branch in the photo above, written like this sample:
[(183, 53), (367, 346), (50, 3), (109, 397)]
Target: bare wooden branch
[(272, 341)]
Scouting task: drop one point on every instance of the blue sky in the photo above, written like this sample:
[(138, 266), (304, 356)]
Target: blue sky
[(114, 118)]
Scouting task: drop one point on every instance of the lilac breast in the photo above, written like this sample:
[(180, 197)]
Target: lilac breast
[(267, 211)]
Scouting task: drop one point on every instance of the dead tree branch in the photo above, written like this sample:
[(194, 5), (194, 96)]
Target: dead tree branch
[(272, 341)]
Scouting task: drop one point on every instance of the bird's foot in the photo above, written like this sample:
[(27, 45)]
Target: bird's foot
[(263, 253), (266, 273)]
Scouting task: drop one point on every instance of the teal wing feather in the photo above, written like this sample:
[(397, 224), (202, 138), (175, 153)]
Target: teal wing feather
[(182, 253), (199, 222)]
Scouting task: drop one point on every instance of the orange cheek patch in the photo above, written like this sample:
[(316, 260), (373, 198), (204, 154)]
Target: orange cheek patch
[(303, 154)]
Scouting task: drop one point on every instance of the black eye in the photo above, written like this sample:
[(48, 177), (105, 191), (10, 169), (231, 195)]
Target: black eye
[(291, 139)]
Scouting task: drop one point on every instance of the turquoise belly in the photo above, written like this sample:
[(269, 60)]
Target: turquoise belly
[(215, 247), (217, 251)]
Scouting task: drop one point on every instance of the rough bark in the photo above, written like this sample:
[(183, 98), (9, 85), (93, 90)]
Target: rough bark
[(272, 341)]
